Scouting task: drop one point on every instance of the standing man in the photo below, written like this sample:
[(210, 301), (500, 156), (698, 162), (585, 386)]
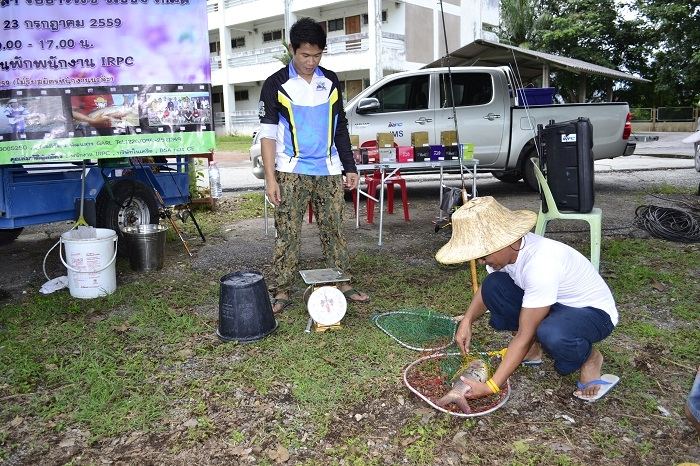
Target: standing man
[(544, 291), (305, 148), (16, 115)]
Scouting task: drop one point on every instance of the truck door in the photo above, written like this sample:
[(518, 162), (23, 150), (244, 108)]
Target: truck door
[(403, 109), (480, 113)]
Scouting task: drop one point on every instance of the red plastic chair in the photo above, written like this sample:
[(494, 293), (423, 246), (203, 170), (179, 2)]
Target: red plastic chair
[(373, 181)]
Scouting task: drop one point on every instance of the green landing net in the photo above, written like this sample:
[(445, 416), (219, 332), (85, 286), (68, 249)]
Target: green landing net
[(418, 329)]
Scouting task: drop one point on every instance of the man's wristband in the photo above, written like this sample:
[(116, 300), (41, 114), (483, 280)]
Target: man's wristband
[(493, 386)]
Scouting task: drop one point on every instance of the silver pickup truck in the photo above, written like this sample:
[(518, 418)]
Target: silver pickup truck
[(490, 114)]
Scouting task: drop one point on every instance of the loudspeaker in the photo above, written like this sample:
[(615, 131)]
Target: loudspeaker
[(566, 157)]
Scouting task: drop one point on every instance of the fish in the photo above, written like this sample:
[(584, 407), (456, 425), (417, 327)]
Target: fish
[(121, 115), (476, 370)]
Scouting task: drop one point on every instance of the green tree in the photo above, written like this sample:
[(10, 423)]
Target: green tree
[(518, 22), (675, 67), (593, 31)]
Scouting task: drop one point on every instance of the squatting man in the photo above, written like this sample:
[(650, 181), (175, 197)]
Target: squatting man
[(545, 292)]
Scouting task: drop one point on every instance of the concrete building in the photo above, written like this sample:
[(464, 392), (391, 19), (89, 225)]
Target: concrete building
[(367, 39)]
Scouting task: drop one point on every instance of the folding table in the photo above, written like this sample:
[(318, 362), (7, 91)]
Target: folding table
[(470, 167)]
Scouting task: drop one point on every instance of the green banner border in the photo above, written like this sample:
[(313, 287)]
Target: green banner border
[(106, 147)]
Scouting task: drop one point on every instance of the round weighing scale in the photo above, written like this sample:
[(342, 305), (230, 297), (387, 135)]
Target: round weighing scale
[(325, 302), (327, 306)]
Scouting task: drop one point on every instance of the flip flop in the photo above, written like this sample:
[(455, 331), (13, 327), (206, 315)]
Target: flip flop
[(284, 302), (606, 382), (352, 291)]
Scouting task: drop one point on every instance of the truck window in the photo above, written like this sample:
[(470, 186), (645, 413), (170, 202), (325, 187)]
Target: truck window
[(410, 93), (469, 89)]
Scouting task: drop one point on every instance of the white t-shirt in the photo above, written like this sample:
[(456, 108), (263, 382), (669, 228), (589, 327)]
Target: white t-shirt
[(551, 272)]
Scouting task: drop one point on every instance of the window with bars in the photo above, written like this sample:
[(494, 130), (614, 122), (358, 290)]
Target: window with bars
[(237, 42), (214, 47), (365, 17), (336, 25), (275, 35)]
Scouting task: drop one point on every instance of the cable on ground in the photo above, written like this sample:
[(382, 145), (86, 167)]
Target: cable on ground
[(668, 223)]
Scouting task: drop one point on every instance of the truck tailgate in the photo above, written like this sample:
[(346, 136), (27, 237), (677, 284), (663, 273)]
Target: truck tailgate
[(607, 119)]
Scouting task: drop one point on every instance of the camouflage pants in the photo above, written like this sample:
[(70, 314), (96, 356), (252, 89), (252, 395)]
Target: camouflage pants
[(326, 195)]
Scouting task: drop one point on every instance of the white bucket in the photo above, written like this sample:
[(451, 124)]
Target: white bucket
[(90, 263)]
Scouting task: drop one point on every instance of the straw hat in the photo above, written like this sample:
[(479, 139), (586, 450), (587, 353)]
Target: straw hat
[(483, 226)]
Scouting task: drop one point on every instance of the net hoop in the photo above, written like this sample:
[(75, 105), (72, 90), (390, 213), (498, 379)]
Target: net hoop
[(375, 319), (504, 393)]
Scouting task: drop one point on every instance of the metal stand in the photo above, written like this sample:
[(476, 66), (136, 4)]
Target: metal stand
[(469, 165)]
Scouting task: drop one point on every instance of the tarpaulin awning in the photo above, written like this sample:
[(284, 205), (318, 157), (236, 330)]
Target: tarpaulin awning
[(530, 63)]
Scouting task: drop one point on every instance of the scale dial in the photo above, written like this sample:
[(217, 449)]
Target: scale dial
[(327, 305)]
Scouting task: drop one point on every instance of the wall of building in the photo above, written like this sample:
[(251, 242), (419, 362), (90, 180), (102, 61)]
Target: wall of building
[(452, 23), (412, 36), (419, 44)]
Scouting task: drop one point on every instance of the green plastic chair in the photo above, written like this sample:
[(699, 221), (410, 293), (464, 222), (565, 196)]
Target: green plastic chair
[(594, 217)]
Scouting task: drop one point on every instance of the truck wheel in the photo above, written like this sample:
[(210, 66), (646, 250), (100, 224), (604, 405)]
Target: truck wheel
[(8, 236), (125, 203), (529, 173), (508, 177)]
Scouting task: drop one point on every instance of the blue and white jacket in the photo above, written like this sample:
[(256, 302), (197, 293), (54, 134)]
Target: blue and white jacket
[(307, 121)]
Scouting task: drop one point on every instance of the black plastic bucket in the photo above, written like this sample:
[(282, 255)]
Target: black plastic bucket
[(245, 311)]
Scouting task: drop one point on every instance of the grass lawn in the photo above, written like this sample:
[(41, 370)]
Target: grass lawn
[(233, 143), (143, 365)]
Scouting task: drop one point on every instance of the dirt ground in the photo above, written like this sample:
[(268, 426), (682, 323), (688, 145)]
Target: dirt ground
[(245, 245)]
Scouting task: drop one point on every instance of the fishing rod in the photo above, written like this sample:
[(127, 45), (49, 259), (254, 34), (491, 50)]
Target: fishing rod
[(465, 196), (166, 212)]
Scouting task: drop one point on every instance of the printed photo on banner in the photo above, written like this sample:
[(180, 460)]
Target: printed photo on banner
[(178, 108), (31, 117), (99, 114)]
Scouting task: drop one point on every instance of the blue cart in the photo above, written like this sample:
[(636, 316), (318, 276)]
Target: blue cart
[(115, 196)]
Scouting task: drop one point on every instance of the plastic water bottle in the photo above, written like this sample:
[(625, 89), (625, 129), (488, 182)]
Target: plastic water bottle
[(215, 181)]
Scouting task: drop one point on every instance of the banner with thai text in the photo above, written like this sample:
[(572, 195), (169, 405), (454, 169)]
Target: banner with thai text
[(93, 79)]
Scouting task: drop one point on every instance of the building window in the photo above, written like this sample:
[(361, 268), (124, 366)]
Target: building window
[(216, 98), (241, 95), (214, 47), (365, 17), (237, 42), (336, 25), (271, 36)]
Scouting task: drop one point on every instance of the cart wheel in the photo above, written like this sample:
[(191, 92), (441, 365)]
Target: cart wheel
[(126, 203)]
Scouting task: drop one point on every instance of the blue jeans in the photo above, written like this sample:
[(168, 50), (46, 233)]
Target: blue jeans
[(694, 398), (567, 333)]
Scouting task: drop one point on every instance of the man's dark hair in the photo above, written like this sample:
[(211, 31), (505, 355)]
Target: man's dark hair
[(306, 30)]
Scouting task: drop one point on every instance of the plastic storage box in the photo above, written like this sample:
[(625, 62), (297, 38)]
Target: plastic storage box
[(536, 95)]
